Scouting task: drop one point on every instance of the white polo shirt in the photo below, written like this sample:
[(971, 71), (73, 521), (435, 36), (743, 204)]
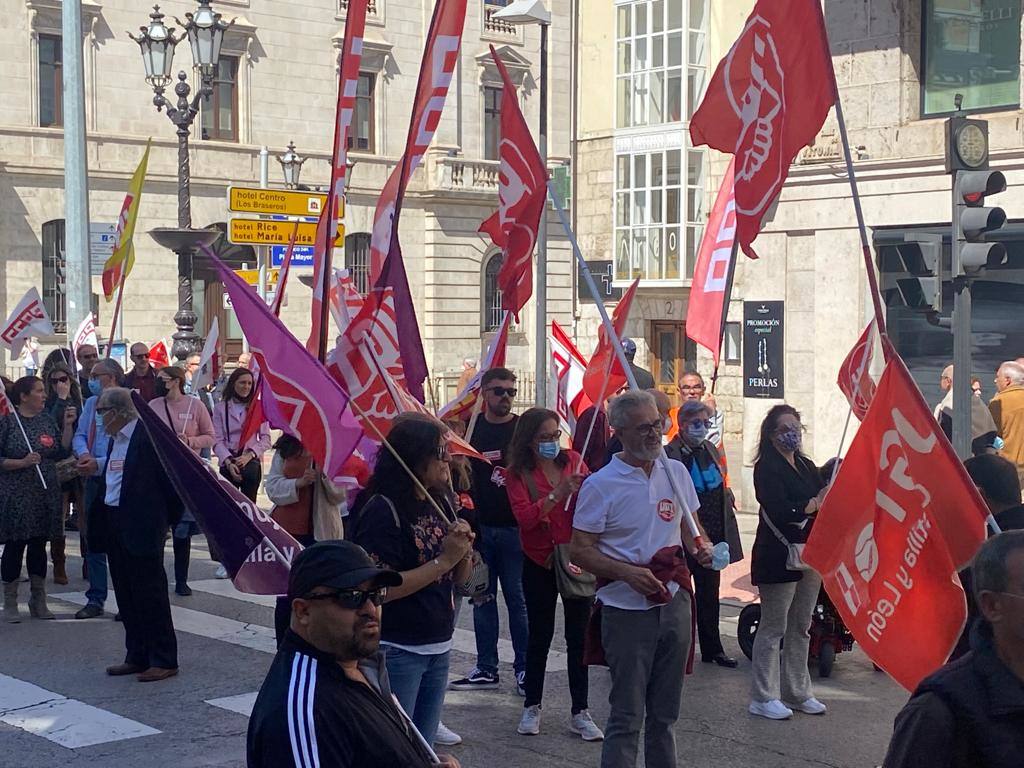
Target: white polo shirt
[(634, 516)]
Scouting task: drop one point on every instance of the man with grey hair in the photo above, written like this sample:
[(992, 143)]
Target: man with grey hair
[(970, 714), (129, 518), (1007, 409), (629, 530)]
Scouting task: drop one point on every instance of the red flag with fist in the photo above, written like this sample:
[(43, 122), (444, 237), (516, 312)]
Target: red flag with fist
[(901, 518), (854, 375), (604, 375), (767, 100)]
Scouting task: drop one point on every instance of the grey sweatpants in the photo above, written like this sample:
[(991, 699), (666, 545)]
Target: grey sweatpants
[(646, 653), (785, 614)]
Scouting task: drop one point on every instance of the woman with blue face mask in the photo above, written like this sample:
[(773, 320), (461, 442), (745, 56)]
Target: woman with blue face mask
[(790, 490), (542, 480), (699, 455)]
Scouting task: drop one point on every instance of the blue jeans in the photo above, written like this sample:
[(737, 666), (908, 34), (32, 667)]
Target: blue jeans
[(503, 553), (96, 562), (419, 681)]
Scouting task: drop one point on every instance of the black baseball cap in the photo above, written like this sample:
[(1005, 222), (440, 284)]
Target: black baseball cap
[(338, 564)]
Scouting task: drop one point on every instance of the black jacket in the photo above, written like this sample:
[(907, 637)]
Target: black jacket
[(783, 493), (309, 713), (969, 714), (149, 503)]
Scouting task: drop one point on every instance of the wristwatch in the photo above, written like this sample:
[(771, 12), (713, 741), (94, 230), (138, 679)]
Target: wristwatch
[(552, 498)]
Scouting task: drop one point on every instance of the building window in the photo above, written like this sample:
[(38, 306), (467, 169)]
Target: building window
[(972, 48), (660, 45), (492, 293), (659, 214), (496, 26), (357, 260), (492, 121), (361, 135), (732, 344), (220, 109), (51, 74), (54, 290)]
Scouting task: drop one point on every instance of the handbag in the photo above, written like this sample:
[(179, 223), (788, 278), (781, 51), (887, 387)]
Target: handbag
[(67, 470), (794, 552), (572, 582)]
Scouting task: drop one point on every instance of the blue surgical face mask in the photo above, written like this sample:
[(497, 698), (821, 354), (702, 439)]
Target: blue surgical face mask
[(94, 387), (696, 431), (549, 449), (791, 439)]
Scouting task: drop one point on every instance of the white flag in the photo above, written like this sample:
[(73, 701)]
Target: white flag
[(565, 378), (28, 319), (85, 335), (209, 361)]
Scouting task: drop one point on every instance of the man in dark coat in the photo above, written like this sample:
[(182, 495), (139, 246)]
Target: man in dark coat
[(129, 518)]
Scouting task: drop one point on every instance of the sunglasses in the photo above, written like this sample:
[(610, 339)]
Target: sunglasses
[(352, 599), (503, 391), (143, 356), (59, 379)]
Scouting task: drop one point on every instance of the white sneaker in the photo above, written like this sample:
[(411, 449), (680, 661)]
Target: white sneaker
[(222, 572), (809, 707), (446, 737), (530, 723), (584, 725), (773, 710), (521, 683)]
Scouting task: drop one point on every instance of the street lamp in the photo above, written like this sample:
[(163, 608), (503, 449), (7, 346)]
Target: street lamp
[(291, 165), (205, 31), (534, 12)]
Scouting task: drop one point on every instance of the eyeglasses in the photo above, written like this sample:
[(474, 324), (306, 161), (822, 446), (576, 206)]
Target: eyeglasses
[(59, 379), (141, 356), (551, 437), (503, 391), (707, 423), (103, 409), (89, 356), (654, 428), (352, 599), (694, 388)]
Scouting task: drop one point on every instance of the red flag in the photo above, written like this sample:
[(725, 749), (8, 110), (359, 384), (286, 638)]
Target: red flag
[(767, 100), (604, 356), (158, 356), (282, 279), (465, 402), (854, 374), (6, 406), (902, 516), (565, 379), (707, 309), (522, 190), (327, 227)]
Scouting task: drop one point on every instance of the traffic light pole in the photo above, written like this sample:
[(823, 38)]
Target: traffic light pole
[(961, 337)]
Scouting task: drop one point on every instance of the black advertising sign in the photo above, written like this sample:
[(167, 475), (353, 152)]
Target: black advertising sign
[(764, 349), (603, 276)]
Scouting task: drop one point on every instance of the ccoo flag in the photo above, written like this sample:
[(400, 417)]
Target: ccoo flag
[(604, 375), (119, 265)]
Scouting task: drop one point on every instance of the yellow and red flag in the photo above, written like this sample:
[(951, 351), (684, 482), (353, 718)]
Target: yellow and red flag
[(121, 261)]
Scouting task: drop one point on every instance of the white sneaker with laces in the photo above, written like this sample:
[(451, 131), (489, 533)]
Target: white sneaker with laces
[(222, 572), (809, 707), (529, 725), (521, 683), (773, 710), (584, 725), (446, 737)]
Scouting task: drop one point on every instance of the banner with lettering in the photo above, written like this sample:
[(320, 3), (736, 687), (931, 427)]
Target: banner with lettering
[(28, 319)]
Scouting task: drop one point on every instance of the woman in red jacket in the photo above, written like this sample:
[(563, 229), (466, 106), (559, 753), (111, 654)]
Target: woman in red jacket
[(542, 482)]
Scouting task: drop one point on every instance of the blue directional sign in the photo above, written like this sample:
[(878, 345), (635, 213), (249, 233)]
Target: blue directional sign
[(302, 256)]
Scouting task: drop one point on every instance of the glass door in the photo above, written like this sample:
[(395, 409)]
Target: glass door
[(672, 353)]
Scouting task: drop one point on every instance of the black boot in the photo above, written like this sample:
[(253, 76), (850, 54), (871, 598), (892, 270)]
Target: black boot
[(182, 552)]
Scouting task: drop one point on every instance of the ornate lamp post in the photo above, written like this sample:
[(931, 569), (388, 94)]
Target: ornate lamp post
[(205, 32), (291, 165)]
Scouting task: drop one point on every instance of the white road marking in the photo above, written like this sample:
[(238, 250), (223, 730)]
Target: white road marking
[(241, 704), (224, 588), (67, 722)]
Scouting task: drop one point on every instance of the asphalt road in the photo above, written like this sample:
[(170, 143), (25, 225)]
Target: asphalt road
[(58, 708)]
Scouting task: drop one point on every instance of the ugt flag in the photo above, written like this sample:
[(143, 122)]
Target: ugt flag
[(522, 190), (28, 319), (565, 379), (902, 517), (767, 100), (209, 360), (117, 268), (255, 550)]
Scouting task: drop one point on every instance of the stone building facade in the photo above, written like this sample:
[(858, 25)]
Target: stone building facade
[(277, 84)]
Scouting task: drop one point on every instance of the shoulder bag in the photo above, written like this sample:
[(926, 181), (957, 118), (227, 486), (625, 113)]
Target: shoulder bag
[(572, 582), (794, 552)]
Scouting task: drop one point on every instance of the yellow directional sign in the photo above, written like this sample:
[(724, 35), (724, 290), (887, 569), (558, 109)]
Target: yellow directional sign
[(252, 276), (279, 202), (267, 232)]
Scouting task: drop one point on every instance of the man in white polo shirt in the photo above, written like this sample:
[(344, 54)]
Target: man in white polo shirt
[(627, 512)]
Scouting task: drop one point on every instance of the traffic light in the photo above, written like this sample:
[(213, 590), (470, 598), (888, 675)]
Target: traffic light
[(972, 220), (912, 269)]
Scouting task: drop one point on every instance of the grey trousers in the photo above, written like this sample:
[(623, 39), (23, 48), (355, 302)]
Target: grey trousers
[(646, 653), (785, 614)]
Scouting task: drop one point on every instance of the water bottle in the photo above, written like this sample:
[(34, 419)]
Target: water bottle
[(720, 556)]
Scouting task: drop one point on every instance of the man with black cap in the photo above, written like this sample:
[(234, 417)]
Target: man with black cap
[(326, 699), (644, 378)]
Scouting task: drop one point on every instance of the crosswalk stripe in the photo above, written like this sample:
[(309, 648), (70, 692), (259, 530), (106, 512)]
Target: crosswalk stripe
[(241, 704), (67, 722)]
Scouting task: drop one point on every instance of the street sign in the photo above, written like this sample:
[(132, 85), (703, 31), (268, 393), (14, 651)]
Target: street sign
[(226, 299), (278, 201), (268, 232), (252, 276), (101, 245), (302, 256)]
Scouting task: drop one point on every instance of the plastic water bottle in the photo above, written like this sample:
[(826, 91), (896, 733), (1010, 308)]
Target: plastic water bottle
[(720, 556)]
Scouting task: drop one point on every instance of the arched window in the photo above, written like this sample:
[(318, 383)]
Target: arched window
[(492, 293), (357, 260), (54, 266)]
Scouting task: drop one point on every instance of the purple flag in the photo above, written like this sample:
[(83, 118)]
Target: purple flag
[(299, 396), (410, 346), (256, 552)]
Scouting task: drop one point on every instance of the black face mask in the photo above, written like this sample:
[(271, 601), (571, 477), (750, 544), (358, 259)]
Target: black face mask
[(161, 388)]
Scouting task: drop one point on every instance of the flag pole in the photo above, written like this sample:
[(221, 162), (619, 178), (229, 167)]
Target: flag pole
[(730, 276), (609, 328), (117, 311), (325, 283), (28, 444)]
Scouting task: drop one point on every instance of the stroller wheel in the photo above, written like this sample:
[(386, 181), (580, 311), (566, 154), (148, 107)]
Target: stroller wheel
[(826, 658), (746, 628)]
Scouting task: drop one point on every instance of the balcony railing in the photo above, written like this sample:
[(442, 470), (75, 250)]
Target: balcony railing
[(470, 175), (497, 26), (371, 7)]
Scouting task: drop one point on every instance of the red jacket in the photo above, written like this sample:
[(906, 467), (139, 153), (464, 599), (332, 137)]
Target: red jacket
[(540, 535)]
